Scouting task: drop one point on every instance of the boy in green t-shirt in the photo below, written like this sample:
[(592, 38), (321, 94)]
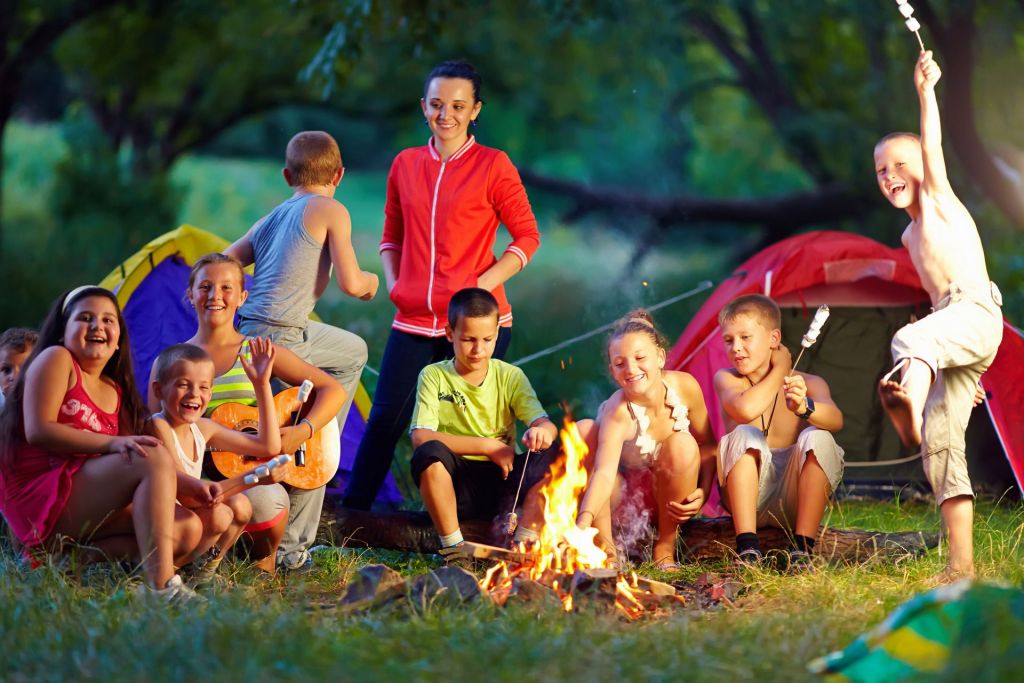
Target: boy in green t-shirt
[(463, 425)]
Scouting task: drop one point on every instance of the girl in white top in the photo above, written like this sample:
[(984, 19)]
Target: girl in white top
[(649, 441), (183, 376)]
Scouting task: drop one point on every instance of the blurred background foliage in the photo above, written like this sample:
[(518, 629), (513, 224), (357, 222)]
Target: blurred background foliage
[(645, 133)]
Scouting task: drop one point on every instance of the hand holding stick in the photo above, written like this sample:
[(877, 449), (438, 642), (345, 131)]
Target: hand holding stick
[(512, 519)]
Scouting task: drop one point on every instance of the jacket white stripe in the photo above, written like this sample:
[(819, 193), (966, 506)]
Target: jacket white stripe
[(503, 321), (520, 253)]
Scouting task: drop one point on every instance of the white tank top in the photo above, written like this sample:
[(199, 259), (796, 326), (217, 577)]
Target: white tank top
[(194, 468)]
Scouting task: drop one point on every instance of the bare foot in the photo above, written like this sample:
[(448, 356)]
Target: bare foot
[(896, 402), (948, 576), (664, 556)]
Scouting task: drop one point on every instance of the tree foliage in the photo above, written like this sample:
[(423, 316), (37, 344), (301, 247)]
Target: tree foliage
[(747, 116)]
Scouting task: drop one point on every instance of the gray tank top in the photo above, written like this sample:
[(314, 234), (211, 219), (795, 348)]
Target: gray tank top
[(286, 259)]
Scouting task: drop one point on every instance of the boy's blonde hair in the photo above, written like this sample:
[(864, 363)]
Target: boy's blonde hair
[(312, 158), (896, 136), (758, 306), (172, 355)]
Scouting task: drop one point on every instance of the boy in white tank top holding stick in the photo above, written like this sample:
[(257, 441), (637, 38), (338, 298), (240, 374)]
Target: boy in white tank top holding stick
[(294, 248), (942, 356)]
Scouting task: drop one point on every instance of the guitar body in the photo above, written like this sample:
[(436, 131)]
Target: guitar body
[(323, 450)]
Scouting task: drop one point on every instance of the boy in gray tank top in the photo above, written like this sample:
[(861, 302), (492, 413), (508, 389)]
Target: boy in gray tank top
[(294, 249)]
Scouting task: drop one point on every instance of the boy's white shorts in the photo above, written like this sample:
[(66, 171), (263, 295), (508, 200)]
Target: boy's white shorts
[(780, 468)]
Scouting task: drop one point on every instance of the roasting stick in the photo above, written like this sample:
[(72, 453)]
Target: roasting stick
[(304, 391), (912, 24), (259, 472), (820, 316), (512, 519)]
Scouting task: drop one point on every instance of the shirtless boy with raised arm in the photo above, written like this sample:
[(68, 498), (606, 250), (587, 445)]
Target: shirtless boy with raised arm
[(942, 356)]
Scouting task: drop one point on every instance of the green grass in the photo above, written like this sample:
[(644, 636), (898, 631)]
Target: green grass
[(54, 628)]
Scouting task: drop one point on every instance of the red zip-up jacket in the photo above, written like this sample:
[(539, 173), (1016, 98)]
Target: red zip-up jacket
[(442, 216)]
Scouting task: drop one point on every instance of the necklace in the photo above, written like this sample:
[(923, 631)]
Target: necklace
[(771, 416)]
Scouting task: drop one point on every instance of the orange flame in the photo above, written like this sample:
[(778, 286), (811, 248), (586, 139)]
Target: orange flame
[(563, 548)]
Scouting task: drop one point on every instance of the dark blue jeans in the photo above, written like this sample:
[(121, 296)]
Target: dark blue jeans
[(404, 356)]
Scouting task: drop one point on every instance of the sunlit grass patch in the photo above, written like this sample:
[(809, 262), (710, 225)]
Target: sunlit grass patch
[(56, 627)]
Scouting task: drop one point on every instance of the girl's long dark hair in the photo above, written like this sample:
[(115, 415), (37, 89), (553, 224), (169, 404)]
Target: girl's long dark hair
[(118, 369)]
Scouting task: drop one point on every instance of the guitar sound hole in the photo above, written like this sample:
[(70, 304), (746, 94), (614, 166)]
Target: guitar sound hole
[(250, 430)]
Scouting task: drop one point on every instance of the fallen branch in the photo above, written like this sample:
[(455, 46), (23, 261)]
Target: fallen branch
[(826, 204)]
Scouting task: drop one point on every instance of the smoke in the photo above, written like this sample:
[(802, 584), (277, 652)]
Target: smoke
[(632, 522)]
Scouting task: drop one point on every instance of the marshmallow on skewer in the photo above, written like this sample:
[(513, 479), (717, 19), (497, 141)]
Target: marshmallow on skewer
[(264, 469), (820, 316), (305, 390), (913, 25)]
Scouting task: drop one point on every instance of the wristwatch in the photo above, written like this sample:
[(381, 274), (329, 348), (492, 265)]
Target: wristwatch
[(806, 415)]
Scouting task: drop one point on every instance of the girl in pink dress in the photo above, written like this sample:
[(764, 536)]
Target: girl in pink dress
[(73, 463)]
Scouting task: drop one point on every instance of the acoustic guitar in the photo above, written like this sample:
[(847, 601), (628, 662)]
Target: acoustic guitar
[(322, 451)]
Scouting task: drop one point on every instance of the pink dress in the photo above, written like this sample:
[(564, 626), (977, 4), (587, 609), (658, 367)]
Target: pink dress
[(36, 486)]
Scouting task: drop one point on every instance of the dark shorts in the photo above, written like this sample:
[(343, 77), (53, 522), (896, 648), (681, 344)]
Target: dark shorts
[(480, 492)]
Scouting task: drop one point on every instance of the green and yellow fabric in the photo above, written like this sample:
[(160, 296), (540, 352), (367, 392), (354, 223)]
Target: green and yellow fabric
[(951, 632)]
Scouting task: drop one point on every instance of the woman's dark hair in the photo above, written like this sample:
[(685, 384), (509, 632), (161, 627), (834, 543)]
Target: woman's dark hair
[(455, 68), (118, 369)]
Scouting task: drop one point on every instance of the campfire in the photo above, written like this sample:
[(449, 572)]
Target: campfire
[(565, 567), (566, 559)]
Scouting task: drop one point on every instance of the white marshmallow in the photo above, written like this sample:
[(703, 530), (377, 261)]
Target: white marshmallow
[(913, 24)]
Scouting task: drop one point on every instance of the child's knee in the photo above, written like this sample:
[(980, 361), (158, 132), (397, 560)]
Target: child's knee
[(746, 441), (188, 528), (221, 518), (820, 448), (587, 428), (356, 351), (241, 508), (431, 459), (679, 454), (158, 462), (908, 344)]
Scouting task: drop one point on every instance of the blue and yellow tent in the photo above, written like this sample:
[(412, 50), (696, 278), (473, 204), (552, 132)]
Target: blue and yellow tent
[(150, 286)]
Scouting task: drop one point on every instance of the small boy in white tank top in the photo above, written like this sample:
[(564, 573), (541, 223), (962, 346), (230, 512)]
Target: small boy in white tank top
[(183, 376)]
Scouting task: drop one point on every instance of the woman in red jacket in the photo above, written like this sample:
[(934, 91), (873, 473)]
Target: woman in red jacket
[(444, 203)]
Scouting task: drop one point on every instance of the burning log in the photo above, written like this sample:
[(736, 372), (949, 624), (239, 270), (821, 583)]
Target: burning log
[(526, 591), (565, 557), (702, 539)]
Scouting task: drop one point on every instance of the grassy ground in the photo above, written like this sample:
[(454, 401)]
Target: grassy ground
[(54, 627)]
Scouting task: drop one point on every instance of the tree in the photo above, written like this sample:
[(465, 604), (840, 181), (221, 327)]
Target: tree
[(767, 53), (28, 31)]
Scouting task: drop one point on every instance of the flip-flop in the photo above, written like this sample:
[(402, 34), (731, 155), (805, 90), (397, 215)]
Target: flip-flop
[(667, 566), (896, 368)]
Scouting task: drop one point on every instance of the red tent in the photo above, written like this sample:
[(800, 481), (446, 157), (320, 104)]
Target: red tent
[(869, 281)]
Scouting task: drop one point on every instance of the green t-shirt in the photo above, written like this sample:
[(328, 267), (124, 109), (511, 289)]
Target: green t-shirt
[(447, 403)]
